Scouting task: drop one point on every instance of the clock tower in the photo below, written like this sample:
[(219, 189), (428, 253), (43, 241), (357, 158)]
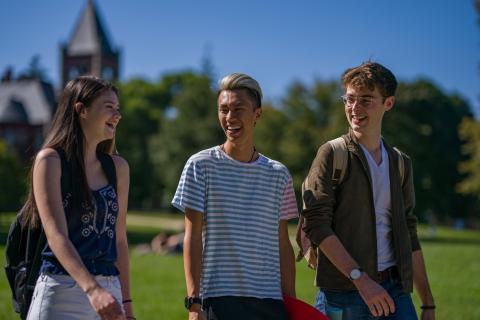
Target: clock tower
[(89, 50)]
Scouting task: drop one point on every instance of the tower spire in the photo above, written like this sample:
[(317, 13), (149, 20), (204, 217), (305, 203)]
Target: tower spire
[(89, 50)]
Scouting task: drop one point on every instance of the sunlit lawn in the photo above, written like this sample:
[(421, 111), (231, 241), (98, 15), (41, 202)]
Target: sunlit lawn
[(453, 260)]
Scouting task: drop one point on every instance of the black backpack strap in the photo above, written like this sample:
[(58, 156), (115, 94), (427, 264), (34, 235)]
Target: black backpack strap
[(37, 259), (108, 167), (66, 178)]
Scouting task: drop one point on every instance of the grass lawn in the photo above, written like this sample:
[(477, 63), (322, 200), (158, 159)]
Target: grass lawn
[(158, 287)]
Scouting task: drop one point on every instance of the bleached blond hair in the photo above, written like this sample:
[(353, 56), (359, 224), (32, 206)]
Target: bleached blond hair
[(238, 81)]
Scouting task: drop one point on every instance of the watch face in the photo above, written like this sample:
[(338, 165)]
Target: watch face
[(355, 274)]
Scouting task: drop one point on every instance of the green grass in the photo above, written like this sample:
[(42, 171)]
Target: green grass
[(452, 257)]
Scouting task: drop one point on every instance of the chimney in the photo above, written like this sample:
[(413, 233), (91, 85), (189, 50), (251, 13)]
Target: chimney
[(8, 74)]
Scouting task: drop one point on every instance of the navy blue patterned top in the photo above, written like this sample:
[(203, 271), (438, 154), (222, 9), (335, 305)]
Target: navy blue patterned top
[(92, 233)]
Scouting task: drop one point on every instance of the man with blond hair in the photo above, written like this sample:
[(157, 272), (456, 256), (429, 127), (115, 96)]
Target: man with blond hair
[(238, 258), (364, 225)]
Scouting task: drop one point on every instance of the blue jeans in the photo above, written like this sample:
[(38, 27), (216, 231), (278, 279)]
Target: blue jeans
[(354, 308)]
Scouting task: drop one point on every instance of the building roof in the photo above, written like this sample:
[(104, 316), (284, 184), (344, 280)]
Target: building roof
[(89, 36), (25, 101), (14, 112)]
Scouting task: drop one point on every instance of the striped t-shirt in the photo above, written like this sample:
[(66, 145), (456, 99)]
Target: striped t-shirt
[(242, 204)]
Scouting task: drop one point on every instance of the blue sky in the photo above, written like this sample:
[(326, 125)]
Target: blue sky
[(276, 42)]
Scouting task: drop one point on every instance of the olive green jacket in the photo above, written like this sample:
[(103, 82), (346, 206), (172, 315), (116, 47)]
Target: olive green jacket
[(349, 213)]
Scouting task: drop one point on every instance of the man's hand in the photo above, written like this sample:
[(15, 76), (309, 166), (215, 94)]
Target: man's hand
[(105, 304), (196, 313), (377, 299)]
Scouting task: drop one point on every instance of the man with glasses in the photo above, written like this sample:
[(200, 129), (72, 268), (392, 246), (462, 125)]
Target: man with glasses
[(369, 255)]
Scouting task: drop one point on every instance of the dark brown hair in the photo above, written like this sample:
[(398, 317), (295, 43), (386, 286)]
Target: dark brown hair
[(66, 133), (371, 75)]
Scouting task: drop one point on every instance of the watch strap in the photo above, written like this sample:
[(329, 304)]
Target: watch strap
[(189, 301)]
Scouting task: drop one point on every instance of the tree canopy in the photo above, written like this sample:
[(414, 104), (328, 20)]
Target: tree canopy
[(165, 121)]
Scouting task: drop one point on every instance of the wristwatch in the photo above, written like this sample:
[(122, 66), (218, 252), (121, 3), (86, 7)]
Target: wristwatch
[(189, 301), (355, 274)]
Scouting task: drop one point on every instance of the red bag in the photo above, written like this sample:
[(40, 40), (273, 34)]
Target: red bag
[(299, 310)]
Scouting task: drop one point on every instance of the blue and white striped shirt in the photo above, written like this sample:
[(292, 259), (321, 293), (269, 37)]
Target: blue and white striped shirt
[(242, 204)]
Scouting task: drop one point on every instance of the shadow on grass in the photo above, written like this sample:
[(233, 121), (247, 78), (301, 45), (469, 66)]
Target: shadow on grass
[(449, 240), (134, 236), (139, 237)]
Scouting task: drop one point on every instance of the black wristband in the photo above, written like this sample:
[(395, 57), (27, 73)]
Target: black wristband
[(189, 301), (428, 307), (127, 301)]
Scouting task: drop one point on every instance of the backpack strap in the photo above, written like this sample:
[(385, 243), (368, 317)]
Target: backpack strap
[(37, 258), (66, 167), (108, 167), (340, 160), (401, 165), (307, 250)]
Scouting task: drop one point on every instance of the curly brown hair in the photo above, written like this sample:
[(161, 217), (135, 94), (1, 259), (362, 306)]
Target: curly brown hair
[(371, 75)]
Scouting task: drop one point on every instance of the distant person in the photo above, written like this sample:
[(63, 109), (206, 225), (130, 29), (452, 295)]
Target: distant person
[(85, 264), (365, 228), (238, 258)]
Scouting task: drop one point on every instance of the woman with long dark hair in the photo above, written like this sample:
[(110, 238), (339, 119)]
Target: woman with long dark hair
[(84, 270)]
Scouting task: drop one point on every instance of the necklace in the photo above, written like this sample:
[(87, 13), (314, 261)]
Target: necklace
[(251, 158)]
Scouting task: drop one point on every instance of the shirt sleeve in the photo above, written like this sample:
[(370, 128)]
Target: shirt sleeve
[(319, 197), (289, 209), (191, 188)]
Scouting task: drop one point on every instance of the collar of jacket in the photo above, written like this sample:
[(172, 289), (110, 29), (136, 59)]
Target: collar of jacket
[(354, 146)]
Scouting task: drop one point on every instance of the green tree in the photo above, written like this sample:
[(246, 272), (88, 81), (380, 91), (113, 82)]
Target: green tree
[(313, 116), (470, 133), (270, 130), (35, 70), (162, 124), (425, 124), (189, 125), (13, 179), (142, 106)]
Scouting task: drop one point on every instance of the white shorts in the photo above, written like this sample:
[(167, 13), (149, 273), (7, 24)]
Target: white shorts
[(59, 297)]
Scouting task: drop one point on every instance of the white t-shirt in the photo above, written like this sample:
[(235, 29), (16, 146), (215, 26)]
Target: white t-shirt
[(383, 213)]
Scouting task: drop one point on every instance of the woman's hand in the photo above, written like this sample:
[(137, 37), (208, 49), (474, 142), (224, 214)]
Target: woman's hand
[(105, 304)]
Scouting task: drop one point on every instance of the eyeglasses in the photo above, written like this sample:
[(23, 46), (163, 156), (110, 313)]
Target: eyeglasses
[(363, 101)]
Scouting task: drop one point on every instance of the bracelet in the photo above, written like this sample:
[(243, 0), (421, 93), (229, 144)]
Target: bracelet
[(127, 301), (428, 307), (91, 289)]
